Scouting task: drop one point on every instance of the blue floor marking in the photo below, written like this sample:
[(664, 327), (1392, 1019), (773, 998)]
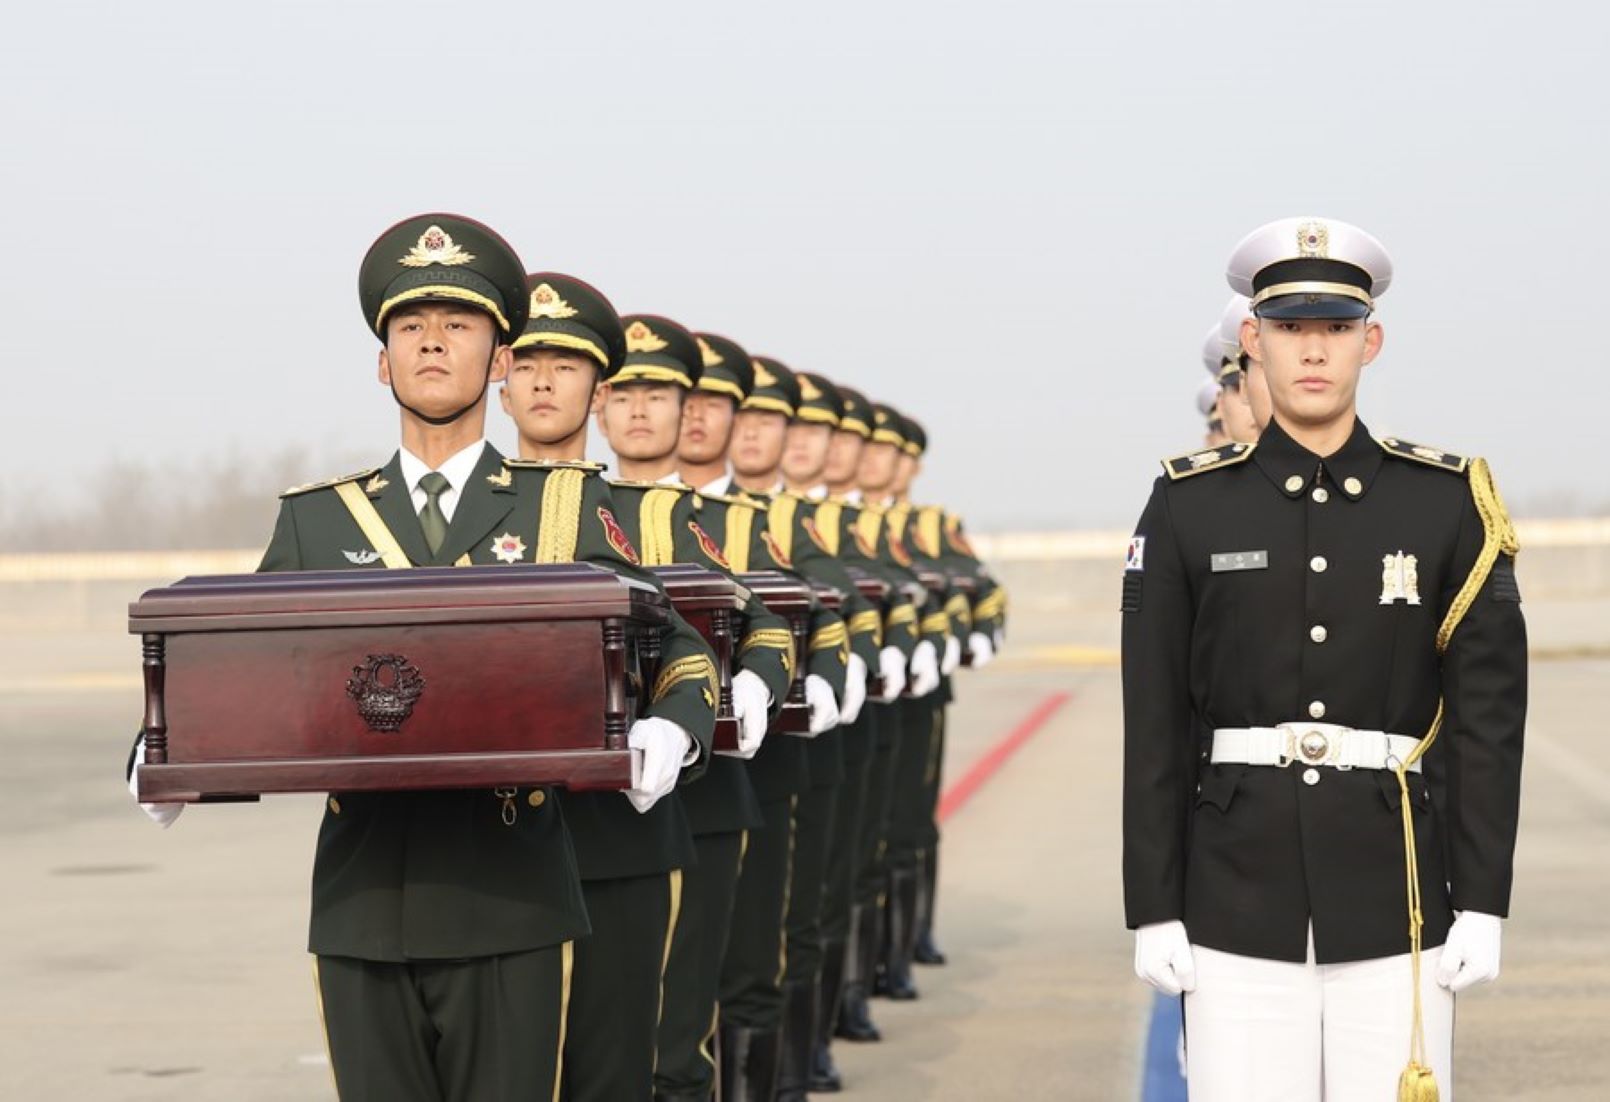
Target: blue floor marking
[(1162, 1081)]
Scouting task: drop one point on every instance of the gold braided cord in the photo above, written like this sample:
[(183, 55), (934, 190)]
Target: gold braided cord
[(780, 523), (692, 668), (1417, 1084), (559, 524), (829, 520), (658, 538), (959, 611), (928, 531), (868, 525), (739, 537)]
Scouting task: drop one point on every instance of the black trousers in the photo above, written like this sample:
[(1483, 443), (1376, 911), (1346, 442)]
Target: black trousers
[(813, 837), (488, 1029), (752, 971), (615, 990), (845, 846), (686, 1066), (870, 867), (910, 810)]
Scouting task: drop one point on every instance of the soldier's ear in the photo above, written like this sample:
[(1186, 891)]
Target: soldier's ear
[(1249, 338), (1374, 338), (383, 367), (600, 396), (502, 360)]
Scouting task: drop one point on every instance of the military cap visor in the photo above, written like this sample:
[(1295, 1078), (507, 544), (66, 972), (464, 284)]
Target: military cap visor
[(888, 427), (857, 415), (916, 438), (658, 350), (776, 390), (442, 258), (568, 313), (1317, 268), (727, 368), (819, 401)]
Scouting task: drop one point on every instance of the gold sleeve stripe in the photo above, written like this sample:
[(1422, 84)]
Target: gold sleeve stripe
[(695, 667), (902, 614), (959, 610), (864, 622), (780, 522), (990, 606), (559, 525), (739, 536), (938, 623), (779, 638), (831, 636), (829, 521), (658, 539)]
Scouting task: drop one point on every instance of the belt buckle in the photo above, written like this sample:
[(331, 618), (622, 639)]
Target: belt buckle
[(1308, 745)]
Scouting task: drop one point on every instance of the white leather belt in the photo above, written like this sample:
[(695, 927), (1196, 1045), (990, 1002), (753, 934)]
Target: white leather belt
[(1309, 743)]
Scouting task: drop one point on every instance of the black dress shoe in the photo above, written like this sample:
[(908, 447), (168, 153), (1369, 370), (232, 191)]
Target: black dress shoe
[(854, 1021), (799, 1023), (926, 951), (902, 941), (748, 1064), (825, 1078)]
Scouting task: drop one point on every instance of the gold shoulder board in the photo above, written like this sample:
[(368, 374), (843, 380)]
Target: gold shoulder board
[(646, 484), (758, 506), (331, 482), (555, 465), (1419, 453), (1212, 459)]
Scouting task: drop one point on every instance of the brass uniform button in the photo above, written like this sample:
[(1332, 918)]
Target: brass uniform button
[(1318, 564), (1310, 776), (335, 806), (1353, 486), (537, 798), (1294, 483), (1321, 494), (1318, 633), (1317, 709)]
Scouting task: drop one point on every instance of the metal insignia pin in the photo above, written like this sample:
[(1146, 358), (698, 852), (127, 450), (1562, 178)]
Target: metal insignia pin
[(362, 558)]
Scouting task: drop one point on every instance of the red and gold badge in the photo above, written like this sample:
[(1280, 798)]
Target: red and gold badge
[(897, 548), (616, 535), (709, 546), (816, 537), (776, 550)]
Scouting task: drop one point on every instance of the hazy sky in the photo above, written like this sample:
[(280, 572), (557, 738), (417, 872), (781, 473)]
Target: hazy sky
[(1010, 219)]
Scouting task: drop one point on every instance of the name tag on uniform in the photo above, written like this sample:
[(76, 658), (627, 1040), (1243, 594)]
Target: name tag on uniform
[(1224, 561)]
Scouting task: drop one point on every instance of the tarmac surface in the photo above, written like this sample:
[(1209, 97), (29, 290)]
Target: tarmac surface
[(146, 964)]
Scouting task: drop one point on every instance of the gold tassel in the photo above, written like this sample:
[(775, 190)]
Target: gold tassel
[(1417, 1084)]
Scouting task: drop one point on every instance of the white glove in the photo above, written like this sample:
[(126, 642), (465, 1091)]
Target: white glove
[(823, 704), (1470, 955), (1163, 957), (854, 689), (953, 656), (981, 648), (892, 668), (666, 748), (924, 669), (162, 815), (750, 701)]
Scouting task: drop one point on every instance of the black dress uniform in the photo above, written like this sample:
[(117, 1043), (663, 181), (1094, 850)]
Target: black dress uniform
[(1257, 601)]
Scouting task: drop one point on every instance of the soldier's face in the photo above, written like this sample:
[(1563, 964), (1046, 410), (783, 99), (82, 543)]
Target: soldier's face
[(439, 357), (805, 453), (1236, 412), (550, 392), (905, 472), (843, 456), (877, 466), (706, 427), (757, 441), (641, 420), (1312, 366)]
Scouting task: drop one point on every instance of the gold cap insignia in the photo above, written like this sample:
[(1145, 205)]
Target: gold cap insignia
[(546, 303), (709, 355), (640, 338), (1313, 240), (762, 376), (435, 246), (808, 390), (880, 417)]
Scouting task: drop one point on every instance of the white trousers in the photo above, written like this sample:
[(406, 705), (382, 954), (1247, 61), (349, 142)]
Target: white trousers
[(1271, 1031)]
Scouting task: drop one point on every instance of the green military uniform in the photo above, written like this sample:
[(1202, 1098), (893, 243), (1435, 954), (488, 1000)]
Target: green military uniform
[(630, 863), (444, 922)]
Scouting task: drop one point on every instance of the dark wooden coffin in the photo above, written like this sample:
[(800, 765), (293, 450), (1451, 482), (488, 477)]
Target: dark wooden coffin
[(709, 602), (358, 680), (870, 586), (790, 599)]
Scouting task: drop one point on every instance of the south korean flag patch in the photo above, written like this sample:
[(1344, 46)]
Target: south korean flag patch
[(1134, 573), (1135, 557)]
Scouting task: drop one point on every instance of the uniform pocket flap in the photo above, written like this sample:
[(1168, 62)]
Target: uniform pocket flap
[(1219, 784)]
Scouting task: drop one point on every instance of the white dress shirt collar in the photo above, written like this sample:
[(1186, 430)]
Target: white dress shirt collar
[(457, 469)]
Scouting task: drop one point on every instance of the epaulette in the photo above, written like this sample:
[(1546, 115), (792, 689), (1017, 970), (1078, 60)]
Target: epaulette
[(555, 465), (1213, 459), (649, 484), (359, 476), (1431, 457), (733, 499)]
